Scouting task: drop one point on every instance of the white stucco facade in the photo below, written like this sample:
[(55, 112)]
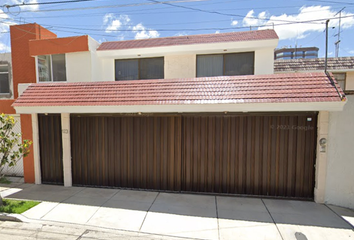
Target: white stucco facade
[(340, 162), (78, 67), (321, 157), (180, 66), (106, 69), (264, 61), (349, 84), (89, 66), (180, 60)]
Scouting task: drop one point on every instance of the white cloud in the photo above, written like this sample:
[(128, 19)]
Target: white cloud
[(351, 52), (114, 23), (3, 25), (299, 30), (24, 7), (234, 23), (142, 32), (5, 22), (4, 48), (252, 20)]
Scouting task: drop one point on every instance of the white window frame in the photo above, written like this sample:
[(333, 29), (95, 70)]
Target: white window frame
[(51, 68)]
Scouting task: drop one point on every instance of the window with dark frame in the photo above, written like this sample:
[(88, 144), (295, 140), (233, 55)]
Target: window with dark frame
[(229, 64), (138, 69), (4, 79), (341, 79)]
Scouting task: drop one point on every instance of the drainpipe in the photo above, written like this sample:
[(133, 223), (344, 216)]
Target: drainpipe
[(326, 56), (327, 73)]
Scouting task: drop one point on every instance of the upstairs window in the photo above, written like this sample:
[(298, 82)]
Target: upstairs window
[(4, 79), (51, 68), (142, 68), (225, 64), (341, 79)]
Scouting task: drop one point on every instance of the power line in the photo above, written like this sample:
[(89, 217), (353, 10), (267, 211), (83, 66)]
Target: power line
[(216, 12), (148, 11), (334, 2), (185, 29), (109, 6), (155, 24), (44, 3)]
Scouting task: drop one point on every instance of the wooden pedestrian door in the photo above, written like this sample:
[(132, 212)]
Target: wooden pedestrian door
[(51, 153), (266, 155)]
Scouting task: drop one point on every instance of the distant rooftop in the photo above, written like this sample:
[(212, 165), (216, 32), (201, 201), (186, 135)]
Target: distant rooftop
[(315, 64), (191, 39), (296, 53)]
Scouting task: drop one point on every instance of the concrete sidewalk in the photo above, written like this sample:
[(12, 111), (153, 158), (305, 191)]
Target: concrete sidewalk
[(184, 215)]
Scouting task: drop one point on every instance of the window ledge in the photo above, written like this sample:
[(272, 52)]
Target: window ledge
[(53, 82), (5, 95)]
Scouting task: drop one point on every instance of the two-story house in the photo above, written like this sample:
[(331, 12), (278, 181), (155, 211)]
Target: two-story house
[(200, 113)]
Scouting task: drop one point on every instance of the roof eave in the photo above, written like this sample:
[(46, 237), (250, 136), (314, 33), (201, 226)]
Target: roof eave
[(189, 49), (188, 108)]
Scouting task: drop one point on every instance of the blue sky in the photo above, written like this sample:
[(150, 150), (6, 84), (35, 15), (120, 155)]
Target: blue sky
[(298, 23)]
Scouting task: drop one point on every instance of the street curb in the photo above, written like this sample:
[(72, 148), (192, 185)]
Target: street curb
[(10, 217)]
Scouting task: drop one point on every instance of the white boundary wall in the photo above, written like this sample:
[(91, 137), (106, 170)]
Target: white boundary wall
[(340, 162), (18, 169)]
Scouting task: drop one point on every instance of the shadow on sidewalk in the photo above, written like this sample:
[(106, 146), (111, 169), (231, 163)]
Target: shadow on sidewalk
[(206, 206)]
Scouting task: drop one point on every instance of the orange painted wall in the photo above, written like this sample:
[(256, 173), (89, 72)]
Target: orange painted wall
[(23, 71), (5, 106), (28, 162), (23, 65), (58, 45)]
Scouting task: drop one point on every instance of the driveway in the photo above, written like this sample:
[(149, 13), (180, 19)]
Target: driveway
[(185, 215)]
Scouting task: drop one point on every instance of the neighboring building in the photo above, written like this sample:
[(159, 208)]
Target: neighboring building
[(6, 99), (295, 53), (5, 76), (201, 113), (342, 69), (340, 161)]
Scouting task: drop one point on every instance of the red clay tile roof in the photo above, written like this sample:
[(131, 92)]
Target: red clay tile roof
[(191, 39), (274, 88), (314, 64)]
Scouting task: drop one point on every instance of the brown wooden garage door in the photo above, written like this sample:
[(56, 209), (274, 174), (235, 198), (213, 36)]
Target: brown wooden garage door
[(270, 155), (132, 152), (253, 155)]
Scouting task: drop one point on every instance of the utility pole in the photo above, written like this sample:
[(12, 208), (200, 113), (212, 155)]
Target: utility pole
[(338, 34)]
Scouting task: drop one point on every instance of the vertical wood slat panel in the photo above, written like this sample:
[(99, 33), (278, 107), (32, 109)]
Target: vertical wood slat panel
[(51, 154), (131, 152), (268, 155)]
